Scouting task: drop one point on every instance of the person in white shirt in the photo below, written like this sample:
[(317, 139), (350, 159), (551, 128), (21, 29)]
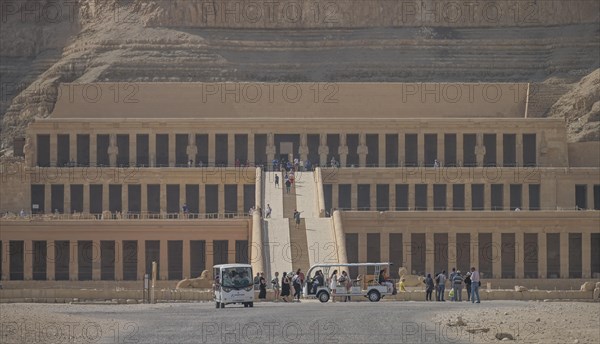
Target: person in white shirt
[(475, 285)]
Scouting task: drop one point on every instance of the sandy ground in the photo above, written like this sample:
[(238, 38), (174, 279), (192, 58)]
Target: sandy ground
[(349, 323), (531, 322)]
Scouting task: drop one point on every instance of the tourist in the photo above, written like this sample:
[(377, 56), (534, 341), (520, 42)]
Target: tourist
[(190, 163), (285, 287), (275, 164), (468, 285), (185, 209), (475, 284), (436, 163), (333, 281), (277, 181), (251, 211), (451, 279), (318, 281), (268, 212), (382, 279), (22, 213), (257, 281), (442, 285), (346, 282), (262, 294), (457, 281), (429, 286), (288, 186), (297, 218), (297, 283), (276, 286)]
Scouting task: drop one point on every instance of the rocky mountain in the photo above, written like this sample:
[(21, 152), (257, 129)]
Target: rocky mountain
[(47, 42)]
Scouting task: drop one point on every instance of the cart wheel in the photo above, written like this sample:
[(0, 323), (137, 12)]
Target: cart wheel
[(222, 304), (374, 296), (218, 304), (323, 296), (246, 305)]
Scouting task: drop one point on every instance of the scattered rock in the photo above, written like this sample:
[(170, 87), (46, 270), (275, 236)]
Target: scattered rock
[(505, 313), (459, 322), (538, 320), (478, 330), (131, 301), (576, 341), (504, 336)]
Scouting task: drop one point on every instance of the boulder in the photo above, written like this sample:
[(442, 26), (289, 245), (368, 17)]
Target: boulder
[(520, 288), (588, 286)]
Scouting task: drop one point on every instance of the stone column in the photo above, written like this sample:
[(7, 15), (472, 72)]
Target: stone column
[(452, 251), (373, 196), (323, 150), (382, 150), (564, 255), (362, 150), (86, 198), (144, 198), (429, 251), (210, 255), (401, 147), (343, 151), (163, 198), (251, 157), (221, 208), (497, 254), (47, 199), (231, 252), (392, 197), (303, 149), (186, 267), (468, 197), (487, 196), (53, 149), (449, 200), (474, 249), (362, 251), (525, 204), (133, 149), (141, 259), (5, 261), (499, 149), (93, 149), (506, 196), (429, 196), (586, 255), (542, 255), (192, 150), (590, 196), (72, 147), (459, 149), (67, 199), (240, 199), (211, 148), (73, 261), (479, 150), (441, 154), (411, 196), (271, 149), (164, 260), (354, 196), (519, 254), (50, 260), (96, 261), (118, 260), (519, 152), (421, 148), (202, 199), (172, 153), (385, 248), (335, 196), (182, 196), (152, 149), (105, 196), (231, 156), (27, 260), (113, 150), (407, 251)]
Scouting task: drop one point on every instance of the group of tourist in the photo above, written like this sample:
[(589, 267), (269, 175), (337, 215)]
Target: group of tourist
[(290, 284), (471, 282)]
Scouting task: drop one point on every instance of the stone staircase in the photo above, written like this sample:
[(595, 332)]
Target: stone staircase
[(299, 251)]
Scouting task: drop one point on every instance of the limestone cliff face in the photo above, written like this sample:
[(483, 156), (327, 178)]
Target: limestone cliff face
[(178, 40), (580, 107), (319, 14)]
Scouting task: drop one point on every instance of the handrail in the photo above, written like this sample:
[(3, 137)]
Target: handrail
[(125, 216)]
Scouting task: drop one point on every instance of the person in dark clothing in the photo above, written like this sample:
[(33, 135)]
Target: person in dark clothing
[(285, 287), (318, 281), (262, 294), (429, 286), (468, 285)]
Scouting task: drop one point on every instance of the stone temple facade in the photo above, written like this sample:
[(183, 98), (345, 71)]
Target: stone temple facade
[(427, 176)]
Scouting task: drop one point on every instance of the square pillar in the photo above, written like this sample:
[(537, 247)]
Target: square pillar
[(67, 199), (93, 149), (373, 196), (133, 149), (520, 254), (240, 199), (335, 196), (586, 255), (182, 196), (210, 259), (53, 149), (124, 199), (72, 147), (429, 252), (152, 149), (221, 208), (47, 199), (73, 261), (421, 149), (164, 260), (449, 200), (459, 149), (385, 247), (440, 151), (392, 196), (186, 267), (382, 149), (354, 199), (231, 252), (86, 198), (28, 260), (202, 199), (542, 255), (50, 260), (590, 196), (231, 149), (96, 259), (407, 251), (519, 150), (144, 198), (506, 196), (474, 249), (411, 196), (5, 261), (525, 193), (452, 251), (118, 260), (172, 151), (211, 148), (401, 147), (564, 255), (487, 196), (105, 196), (497, 254), (163, 199), (251, 157), (362, 252), (468, 197), (429, 196), (141, 259), (499, 149)]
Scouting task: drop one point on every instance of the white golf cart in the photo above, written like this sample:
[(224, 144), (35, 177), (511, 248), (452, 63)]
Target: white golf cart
[(361, 285), (233, 284)]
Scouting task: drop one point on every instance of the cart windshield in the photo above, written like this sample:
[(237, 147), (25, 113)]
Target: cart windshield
[(236, 277)]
